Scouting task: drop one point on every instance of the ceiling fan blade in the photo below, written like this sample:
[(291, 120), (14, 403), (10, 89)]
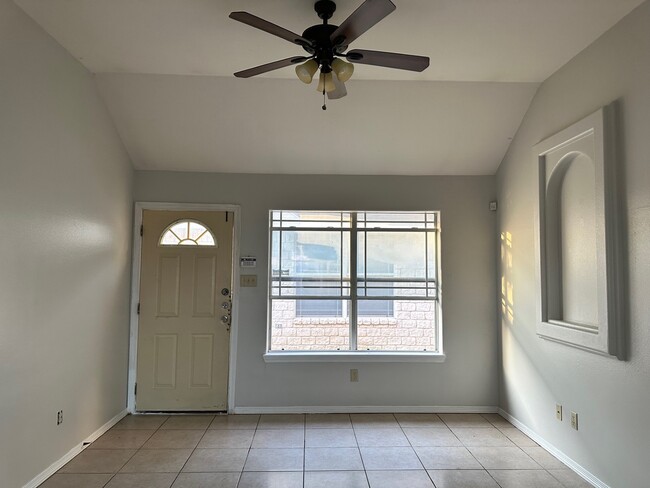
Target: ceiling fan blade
[(340, 90), (389, 60), (269, 27), (363, 18), (264, 68)]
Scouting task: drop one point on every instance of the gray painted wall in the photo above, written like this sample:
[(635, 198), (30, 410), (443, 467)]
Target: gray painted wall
[(468, 377), (65, 214), (611, 397)]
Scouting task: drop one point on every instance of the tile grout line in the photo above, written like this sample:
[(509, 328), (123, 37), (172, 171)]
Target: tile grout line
[(257, 424), (191, 453), (413, 447)]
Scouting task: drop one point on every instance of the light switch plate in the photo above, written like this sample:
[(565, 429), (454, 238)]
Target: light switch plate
[(248, 280)]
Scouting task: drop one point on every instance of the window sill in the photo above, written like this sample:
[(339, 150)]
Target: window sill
[(353, 357)]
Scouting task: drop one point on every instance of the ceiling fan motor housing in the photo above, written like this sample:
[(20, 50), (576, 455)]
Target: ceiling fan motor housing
[(322, 47)]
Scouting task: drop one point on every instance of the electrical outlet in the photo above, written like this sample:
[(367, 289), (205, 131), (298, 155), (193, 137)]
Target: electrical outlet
[(574, 420), (59, 417), (354, 375), (558, 412)]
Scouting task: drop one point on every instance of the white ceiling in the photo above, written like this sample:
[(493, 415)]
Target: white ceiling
[(148, 53)]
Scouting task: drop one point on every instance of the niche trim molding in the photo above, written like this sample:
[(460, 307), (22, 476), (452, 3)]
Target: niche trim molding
[(577, 238)]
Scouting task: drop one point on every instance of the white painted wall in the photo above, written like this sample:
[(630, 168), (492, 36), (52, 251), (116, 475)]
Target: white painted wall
[(65, 214), (611, 397), (467, 378)]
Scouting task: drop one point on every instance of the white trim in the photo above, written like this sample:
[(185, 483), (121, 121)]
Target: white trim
[(365, 409), (135, 288), (58, 464), (574, 466), (353, 357)]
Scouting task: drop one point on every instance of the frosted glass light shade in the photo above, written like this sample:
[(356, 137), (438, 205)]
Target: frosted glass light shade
[(306, 71), (326, 82), (343, 69)]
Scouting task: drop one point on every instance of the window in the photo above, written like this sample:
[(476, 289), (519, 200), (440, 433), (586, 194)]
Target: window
[(187, 233), (353, 281)]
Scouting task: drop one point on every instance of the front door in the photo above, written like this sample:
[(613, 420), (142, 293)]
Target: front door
[(185, 304)]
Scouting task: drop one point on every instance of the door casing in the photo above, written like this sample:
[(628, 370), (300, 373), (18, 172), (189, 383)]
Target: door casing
[(135, 289)]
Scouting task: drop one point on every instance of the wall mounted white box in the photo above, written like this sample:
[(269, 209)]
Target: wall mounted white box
[(578, 271)]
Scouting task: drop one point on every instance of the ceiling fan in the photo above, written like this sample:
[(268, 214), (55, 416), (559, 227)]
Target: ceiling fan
[(326, 45)]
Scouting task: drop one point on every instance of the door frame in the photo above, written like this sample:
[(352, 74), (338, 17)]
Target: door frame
[(135, 289)]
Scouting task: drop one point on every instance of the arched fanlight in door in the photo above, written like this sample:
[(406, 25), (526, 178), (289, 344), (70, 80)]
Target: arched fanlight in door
[(187, 233)]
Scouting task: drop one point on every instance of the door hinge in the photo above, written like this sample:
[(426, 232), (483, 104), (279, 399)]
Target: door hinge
[(138, 310), (227, 216), (141, 230), (135, 389)]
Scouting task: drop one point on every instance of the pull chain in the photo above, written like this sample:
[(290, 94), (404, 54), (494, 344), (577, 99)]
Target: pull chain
[(324, 107)]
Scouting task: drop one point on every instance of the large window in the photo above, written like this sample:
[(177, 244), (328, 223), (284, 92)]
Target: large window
[(353, 281)]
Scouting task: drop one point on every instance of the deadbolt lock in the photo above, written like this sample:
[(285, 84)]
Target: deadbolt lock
[(225, 305), (225, 292)]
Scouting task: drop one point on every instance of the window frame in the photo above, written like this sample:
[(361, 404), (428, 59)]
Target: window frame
[(356, 355)]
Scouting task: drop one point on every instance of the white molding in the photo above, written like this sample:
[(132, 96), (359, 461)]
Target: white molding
[(352, 357), (574, 466), (58, 464), (366, 409), (135, 288), (595, 133)]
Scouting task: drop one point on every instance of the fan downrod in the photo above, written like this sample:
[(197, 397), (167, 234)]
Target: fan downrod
[(325, 9)]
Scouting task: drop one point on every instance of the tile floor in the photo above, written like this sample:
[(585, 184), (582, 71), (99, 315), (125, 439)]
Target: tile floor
[(315, 451)]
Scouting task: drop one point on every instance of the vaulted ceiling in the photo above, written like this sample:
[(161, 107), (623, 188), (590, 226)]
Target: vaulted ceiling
[(165, 70)]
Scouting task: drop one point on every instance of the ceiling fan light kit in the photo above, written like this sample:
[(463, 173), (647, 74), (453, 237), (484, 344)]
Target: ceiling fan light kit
[(326, 45)]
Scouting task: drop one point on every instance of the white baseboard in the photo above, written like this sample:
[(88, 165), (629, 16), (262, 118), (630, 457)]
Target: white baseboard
[(365, 409), (54, 467), (581, 471)]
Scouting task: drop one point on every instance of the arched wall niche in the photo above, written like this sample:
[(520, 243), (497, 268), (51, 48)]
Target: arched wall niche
[(577, 239)]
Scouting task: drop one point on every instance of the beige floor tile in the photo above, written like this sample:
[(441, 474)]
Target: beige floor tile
[(284, 438), (480, 436), (157, 461), (518, 437), (373, 420), (216, 460), (419, 420), (235, 422), (514, 478), (464, 420), (271, 480), (188, 422), (282, 421), (76, 481), (447, 458), (496, 420), (174, 439), (395, 479), (503, 458), (275, 460), (544, 458), (568, 478), (122, 439), (381, 438), (227, 439), (389, 458), (329, 421), (206, 480), (145, 422), (98, 461), (338, 479), (464, 478), (330, 438), (332, 459), (142, 480), (431, 437)]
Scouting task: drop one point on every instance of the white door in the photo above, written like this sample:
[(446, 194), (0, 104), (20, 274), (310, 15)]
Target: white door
[(185, 303)]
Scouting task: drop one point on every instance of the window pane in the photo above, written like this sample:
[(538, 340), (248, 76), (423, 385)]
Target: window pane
[(395, 255), (410, 326), (291, 331), (181, 229)]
